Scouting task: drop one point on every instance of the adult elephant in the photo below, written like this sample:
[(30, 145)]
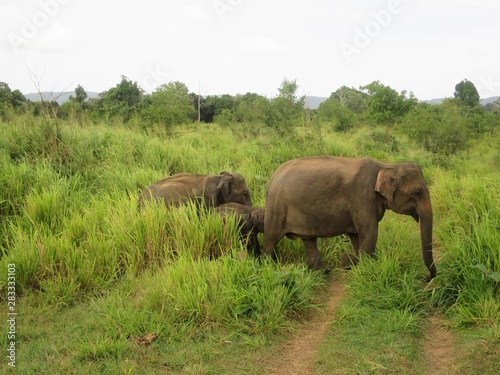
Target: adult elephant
[(327, 196), (205, 189)]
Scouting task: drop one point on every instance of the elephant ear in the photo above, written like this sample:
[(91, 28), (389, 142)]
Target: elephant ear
[(386, 184), (224, 185)]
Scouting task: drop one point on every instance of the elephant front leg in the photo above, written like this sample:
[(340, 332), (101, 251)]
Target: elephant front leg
[(313, 258), (368, 241), (350, 259), (363, 243), (253, 245)]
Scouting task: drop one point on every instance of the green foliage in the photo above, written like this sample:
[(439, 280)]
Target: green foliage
[(351, 98), (331, 110), (287, 109), (11, 102), (493, 107), (213, 106), (169, 105), (122, 100), (466, 93), (386, 105), (80, 95), (251, 109), (439, 129)]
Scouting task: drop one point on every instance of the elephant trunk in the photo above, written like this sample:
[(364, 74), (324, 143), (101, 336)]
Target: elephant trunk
[(424, 211)]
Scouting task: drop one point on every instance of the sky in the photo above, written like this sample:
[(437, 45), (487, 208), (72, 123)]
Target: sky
[(233, 47)]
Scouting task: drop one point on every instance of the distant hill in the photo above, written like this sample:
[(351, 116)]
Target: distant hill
[(312, 102), (489, 100), (60, 97), (434, 101), (482, 101)]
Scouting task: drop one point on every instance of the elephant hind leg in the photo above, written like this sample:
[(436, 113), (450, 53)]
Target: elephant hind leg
[(313, 259), (270, 242)]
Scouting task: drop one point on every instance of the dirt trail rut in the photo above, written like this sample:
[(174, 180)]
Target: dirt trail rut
[(297, 355), (439, 348)]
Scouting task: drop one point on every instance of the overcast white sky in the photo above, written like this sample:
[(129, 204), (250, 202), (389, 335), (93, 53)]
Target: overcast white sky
[(239, 46)]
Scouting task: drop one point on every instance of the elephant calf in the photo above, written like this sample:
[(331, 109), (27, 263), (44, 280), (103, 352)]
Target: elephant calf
[(251, 220), (205, 189)]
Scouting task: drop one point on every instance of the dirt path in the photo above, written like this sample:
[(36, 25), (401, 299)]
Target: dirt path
[(297, 355), (439, 348)]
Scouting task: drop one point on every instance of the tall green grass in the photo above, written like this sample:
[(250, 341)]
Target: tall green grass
[(241, 296), (468, 287), (69, 221)]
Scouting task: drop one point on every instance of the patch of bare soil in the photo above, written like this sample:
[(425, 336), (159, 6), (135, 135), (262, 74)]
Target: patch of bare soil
[(297, 355), (439, 348)]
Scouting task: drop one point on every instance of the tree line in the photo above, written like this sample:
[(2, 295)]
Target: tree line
[(445, 128)]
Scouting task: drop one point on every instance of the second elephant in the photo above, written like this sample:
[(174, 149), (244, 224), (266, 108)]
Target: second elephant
[(205, 189), (251, 220)]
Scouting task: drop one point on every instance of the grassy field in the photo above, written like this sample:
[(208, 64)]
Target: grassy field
[(102, 288)]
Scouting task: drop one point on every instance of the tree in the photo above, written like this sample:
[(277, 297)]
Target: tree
[(440, 129), (10, 101), (386, 105), (342, 118), (170, 105), (287, 108), (75, 107), (213, 106), (467, 94), (122, 100), (351, 98), (80, 95), (251, 108), (17, 99), (5, 94)]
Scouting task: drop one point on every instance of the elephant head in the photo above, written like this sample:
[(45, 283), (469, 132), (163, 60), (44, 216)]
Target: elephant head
[(232, 188), (404, 191), (256, 218), (250, 221)]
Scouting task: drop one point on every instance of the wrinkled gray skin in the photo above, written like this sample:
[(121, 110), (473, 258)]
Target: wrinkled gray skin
[(327, 196), (205, 189), (251, 220)]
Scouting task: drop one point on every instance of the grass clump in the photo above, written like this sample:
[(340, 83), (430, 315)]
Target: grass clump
[(468, 287)]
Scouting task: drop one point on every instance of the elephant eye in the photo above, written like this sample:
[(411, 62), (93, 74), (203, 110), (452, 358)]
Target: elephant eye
[(417, 193)]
